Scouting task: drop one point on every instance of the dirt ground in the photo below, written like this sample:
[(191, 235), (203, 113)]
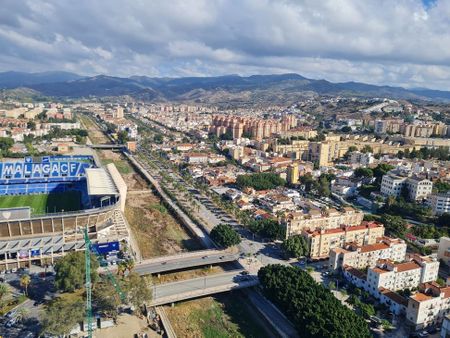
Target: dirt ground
[(95, 134), (127, 327), (157, 232)]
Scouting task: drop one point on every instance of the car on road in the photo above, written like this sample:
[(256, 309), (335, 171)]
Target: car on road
[(11, 322), (11, 314), (245, 273)]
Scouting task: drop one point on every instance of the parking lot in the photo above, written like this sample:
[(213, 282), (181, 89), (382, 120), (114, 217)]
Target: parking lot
[(23, 320)]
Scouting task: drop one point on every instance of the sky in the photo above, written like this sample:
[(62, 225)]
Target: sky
[(395, 42)]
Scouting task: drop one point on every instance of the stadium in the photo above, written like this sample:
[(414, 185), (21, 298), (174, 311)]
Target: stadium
[(46, 203)]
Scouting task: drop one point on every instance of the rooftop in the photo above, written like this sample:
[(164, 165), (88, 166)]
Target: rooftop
[(99, 182)]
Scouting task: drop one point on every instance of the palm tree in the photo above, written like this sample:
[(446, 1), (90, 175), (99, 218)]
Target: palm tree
[(4, 290), (121, 268), (46, 263), (25, 280), (129, 264)]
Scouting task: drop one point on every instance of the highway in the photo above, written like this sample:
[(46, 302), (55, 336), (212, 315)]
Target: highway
[(178, 262), (197, 287)]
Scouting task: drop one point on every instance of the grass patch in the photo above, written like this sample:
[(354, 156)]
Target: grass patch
[(158, 207), (122, 166), (219, 317), (43, 203)]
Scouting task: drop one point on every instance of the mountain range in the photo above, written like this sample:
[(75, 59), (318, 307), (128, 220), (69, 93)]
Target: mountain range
[(220, 89)]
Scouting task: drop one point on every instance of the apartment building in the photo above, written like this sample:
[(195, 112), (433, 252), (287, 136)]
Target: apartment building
[(439, 203), (297, 222), (399, 276), (429, 306), (324, 240), (293, 174), (418, 188), (362, 256), (444, 250)]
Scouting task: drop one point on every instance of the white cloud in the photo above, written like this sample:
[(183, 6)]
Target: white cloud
[(375, 41)]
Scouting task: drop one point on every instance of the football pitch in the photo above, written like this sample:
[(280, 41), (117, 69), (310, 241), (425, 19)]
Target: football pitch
[(44, 203)]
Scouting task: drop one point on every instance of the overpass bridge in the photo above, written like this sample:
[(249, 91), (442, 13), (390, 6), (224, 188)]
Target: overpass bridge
[(107, 146), (203, 286), (185, 261)]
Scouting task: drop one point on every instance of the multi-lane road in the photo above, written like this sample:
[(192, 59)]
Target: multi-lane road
[(184, 261), (202, 286)]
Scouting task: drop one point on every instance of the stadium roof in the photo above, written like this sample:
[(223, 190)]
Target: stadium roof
[(99, 182)]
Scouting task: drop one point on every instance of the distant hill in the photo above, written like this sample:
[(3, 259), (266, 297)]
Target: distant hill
[(220, 89), (10, 80)]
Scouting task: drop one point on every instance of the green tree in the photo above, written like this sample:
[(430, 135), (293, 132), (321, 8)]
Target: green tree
[(158, 139), (346, 129), (268, 228), (225, 236), (5, 144), (138, 290), (61, 315), (381, 169), (296, 246), (363, 172), (443, 220), (31, 125), (440, 186), (4, 291), (324, 187), (310, 306), (260, 181), (394, 224), (70, 271), (367, 149), (25, 280), (309, 182), (122, 137), (105, 299)]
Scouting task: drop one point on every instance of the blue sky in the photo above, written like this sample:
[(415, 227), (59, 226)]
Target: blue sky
[(396, 42)]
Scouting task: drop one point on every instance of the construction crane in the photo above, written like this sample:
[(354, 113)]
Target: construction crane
[(88, 248)]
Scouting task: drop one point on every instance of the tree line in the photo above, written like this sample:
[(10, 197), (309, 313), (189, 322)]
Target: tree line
[(312, 308), (260, 181)]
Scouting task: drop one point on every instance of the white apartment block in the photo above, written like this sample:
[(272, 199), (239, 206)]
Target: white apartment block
[(364, 256), (396, 303), (364, 159), (400, 276), (439, 203), (392, 185), (419, 188), (429, 306)]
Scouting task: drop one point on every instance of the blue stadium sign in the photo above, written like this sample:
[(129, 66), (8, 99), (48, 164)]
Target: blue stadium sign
[(24, 170)]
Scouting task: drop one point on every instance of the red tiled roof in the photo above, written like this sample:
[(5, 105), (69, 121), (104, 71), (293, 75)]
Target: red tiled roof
[(407, 266), (374, 247)]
